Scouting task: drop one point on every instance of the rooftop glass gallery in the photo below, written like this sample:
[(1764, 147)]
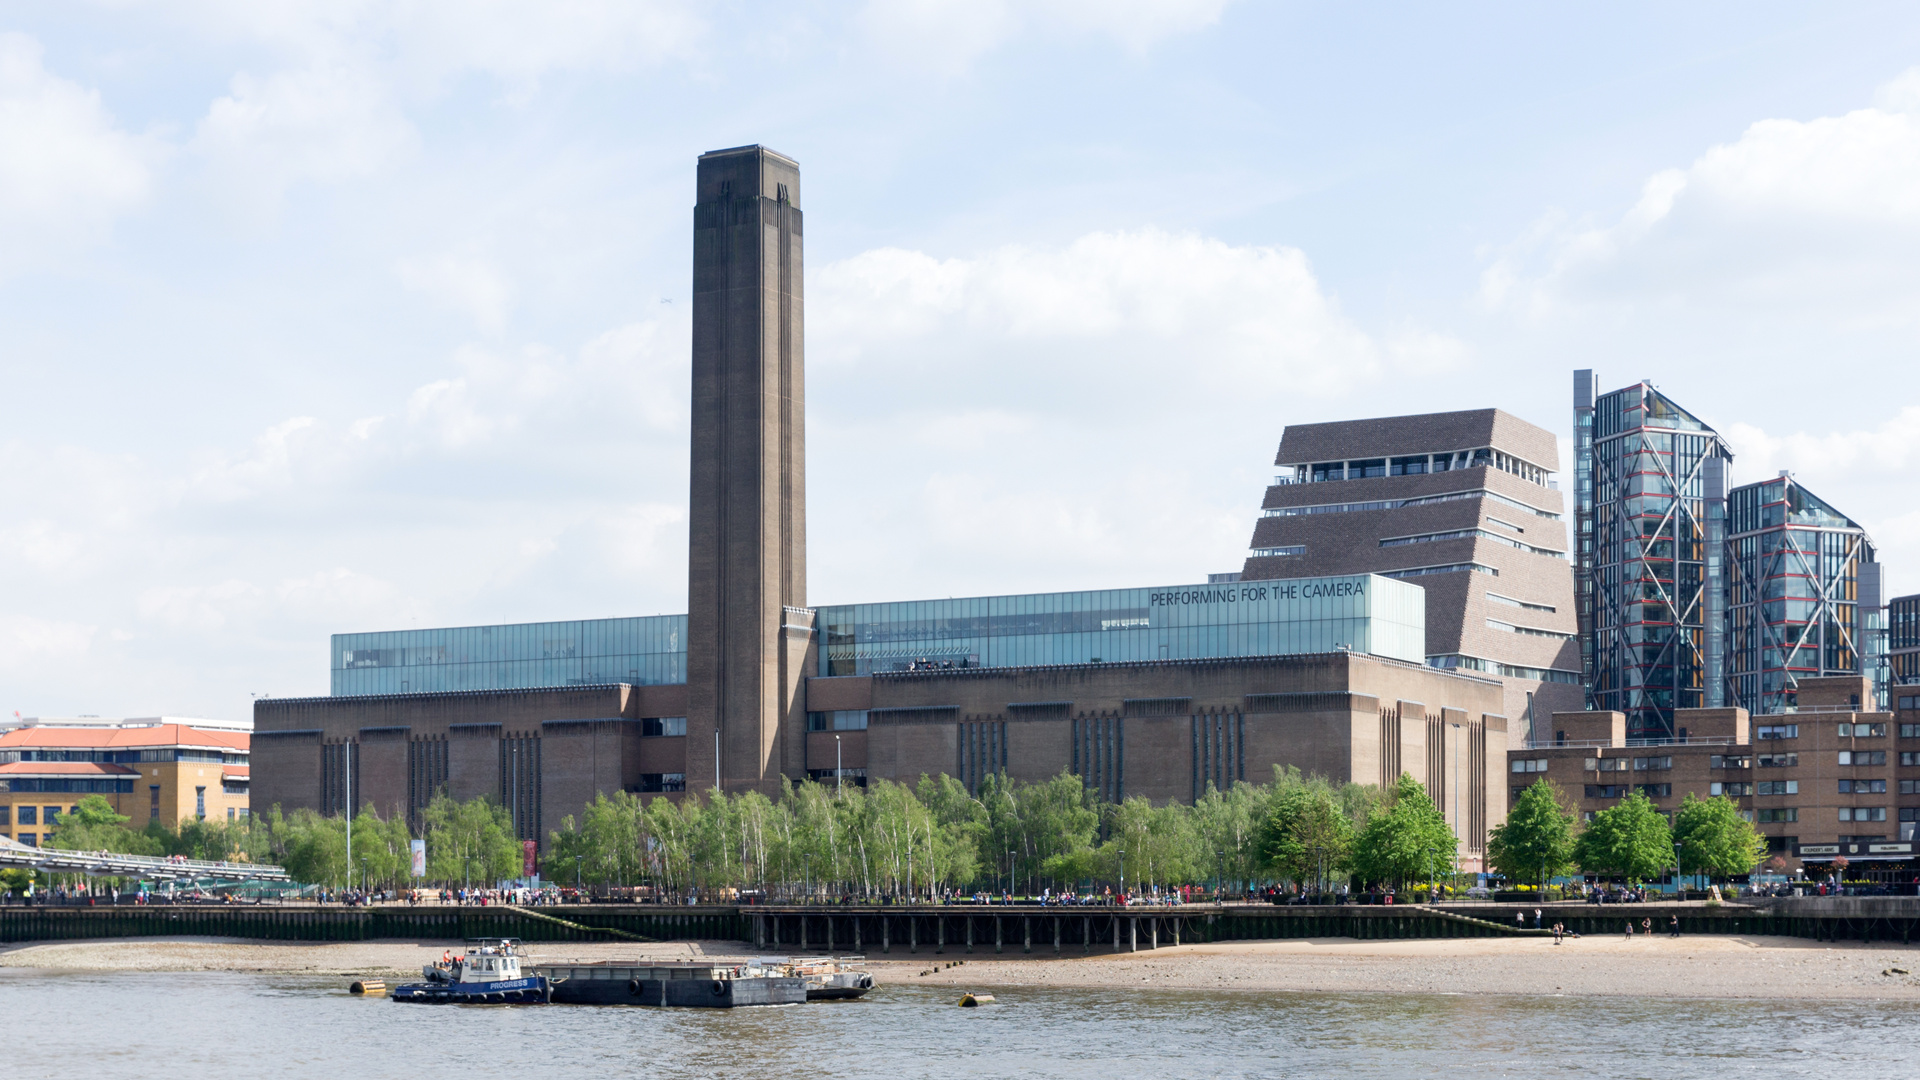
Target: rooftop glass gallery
[(1364, 613), (1319, 472)]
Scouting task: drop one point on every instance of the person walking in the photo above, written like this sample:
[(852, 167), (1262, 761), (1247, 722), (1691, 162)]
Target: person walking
[(1536, 918), (1559, 929), (1673, 926), (1646, 927), (1520, 919), (1629, 929)]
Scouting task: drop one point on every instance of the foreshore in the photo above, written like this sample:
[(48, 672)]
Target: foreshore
[(1688, 967)]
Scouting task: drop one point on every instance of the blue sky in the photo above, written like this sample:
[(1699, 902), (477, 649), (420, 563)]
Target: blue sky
[(340, 316)]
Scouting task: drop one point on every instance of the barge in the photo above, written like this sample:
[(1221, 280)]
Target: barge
[(688, 984)]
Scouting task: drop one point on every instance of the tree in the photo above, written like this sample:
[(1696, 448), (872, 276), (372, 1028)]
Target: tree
[(1306, 837), (1536, 840), (470, 841), (1629, 840), (1714, 839), (1406, 840)]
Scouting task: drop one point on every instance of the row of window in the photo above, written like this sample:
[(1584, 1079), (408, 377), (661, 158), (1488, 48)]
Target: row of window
[(1510, 628), (125, 757), (1468, 534), (63, 786), (1395, 504), (1276, 552), (1444, 568), (1511, 602), (1619, 791), (1417, 465), (30, 815), (839, 720), (663, 725), (1620, 764), (1742, 761)]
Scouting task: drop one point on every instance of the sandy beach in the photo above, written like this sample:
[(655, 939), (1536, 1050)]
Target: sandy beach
[(1719, 967)]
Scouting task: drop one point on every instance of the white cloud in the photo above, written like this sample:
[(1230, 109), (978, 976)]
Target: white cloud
[(67, 170), (1821, 216), (948, 35), (1059, 417), (468, 282), (326, 123), (1148, 316)]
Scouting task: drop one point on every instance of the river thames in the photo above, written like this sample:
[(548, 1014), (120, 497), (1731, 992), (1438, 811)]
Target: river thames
[(219, 1026)]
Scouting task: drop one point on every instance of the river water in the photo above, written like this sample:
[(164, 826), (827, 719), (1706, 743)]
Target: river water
[(278, 1027)]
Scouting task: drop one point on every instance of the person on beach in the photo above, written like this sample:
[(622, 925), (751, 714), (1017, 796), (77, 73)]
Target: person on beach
[(1629, 929), (1536, 918), (1646, 927), (1559, 929), (1520, 919), (1673, 926)]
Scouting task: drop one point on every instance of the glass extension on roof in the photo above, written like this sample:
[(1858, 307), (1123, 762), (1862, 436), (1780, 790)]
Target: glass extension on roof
[(1367, 613), (643, 651)]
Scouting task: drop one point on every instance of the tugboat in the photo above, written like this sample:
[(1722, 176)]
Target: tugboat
[(488, 974)]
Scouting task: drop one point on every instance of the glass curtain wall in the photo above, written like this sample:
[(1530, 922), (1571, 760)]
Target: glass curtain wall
[(1641, 527), (645, 651), (1795, 569)]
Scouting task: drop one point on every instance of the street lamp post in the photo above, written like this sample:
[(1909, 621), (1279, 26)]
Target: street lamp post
[(1457, 837), (836, 765), (1010, 873), (576, 873), (1677, 894), (1123, 872)]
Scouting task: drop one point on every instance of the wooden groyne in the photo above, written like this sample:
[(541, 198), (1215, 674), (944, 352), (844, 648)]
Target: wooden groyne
[(941, 929)]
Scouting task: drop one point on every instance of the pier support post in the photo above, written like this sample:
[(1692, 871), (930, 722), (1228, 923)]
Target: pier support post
[(913, 935), (998, 935), (1153, 932), (857, 943), (759, 931), (1026, 933), (1116, 933), (1133, 934), (1174, 923), (940, 929), (1056, 935), (803, 933), (829, 931), (886, 934), (1086, 933), (969, 919)]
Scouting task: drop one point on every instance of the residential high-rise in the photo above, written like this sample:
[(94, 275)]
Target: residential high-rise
[(1802, 596), (1459, 503), (747, 632), (1649, 614)]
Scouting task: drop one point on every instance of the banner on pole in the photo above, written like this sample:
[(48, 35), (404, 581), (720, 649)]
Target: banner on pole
[(529, 857), (419, 858)]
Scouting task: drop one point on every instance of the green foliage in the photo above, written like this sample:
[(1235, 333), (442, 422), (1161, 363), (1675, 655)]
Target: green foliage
[(15, 880), (1306, 836), (1714, 839), (1629, 840), (1406, 840), (468, 842), (1536, 841)]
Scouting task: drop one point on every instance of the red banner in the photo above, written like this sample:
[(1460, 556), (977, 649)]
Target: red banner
[(529, 857)]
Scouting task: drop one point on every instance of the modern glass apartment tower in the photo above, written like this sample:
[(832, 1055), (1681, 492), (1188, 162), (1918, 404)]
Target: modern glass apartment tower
[(1645, 566), (1803, 595)]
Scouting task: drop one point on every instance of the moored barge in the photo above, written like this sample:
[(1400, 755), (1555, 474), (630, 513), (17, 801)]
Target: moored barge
[(688, 984)]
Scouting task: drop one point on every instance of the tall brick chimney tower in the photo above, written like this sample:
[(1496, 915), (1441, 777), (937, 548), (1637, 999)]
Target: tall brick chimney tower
[(747, 628)]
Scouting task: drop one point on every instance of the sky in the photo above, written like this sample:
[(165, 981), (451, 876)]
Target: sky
[(320, 317)]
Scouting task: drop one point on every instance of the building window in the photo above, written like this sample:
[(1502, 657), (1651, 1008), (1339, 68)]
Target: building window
[(1863, 731), (1777, 787), (663, 726), (1652, 764), (1529, 765), (1656, 791), (233, 787), (200, 803), (1909, 731), (651, 782), (1862, 787), (1863, 757), (1608, 764), (1606, 791), (1717, 761), (29, 815), (1863, 813), (841, 720), (1778, 814), (1277, 552), (1737, 791), (1777, 731), (153, 800), (1779, 761), (29, 839), (6, 816)]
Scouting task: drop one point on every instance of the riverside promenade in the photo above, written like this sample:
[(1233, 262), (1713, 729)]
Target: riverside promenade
[(959, 928)]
